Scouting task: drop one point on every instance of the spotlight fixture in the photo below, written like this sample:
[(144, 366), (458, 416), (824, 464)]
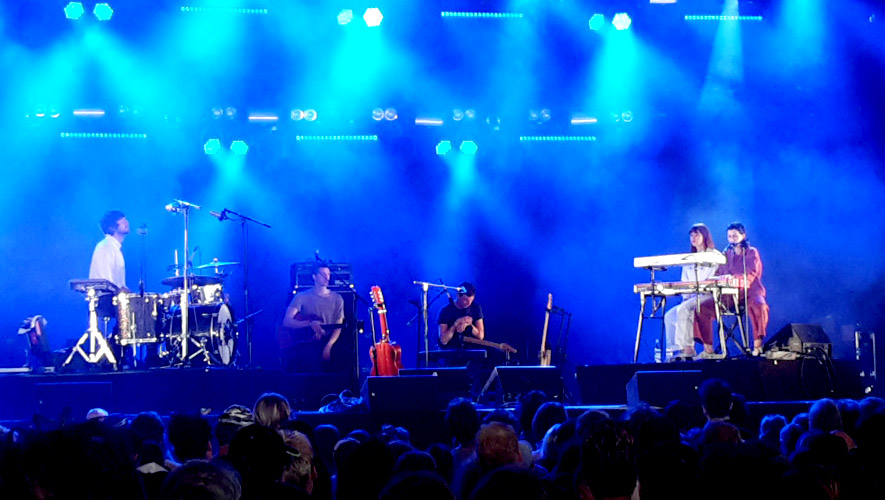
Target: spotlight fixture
[(390, 114), (377, 114), (310, 115), (296, 115), (212, 146), (217, 113), (103, 12), (597, 21), (373, 17), (621, 21), (443, 147), (457, 114), (239, 147), (74, 10), (345, 17), (468, 147), (230, 112)]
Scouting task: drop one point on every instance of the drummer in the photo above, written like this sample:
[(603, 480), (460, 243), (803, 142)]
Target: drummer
[(107, 258)]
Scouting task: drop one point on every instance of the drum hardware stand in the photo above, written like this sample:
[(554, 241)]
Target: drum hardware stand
[(424, 312), (184, 208), (94, 336), (142, 231), (224, 215)]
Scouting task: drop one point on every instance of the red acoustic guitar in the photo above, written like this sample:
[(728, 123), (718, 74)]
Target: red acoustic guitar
[(387, 357)]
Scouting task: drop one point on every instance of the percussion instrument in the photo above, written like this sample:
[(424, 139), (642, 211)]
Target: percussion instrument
[(139, 317), (211, 327)]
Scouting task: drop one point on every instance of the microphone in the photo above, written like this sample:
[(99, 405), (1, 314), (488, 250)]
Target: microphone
[(142, 229), (461, 289), (221, 216), (173, 208)]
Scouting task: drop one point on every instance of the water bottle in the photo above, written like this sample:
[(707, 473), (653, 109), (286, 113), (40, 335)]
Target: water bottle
[(658, 356)]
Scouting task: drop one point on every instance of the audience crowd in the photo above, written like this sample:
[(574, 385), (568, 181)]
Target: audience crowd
[(713, 450)]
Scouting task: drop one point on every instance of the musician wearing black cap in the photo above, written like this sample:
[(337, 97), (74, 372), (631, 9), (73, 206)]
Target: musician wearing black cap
[(462, 317)]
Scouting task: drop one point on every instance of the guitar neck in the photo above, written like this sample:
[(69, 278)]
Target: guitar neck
[(474, 340), (382, 320)]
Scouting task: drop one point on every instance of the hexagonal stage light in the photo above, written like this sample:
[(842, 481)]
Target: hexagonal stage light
[(621, 21), (597, 22), (468, 147), (345, 17), (443, 147), (74, 10), (212, 146), (103, 12), (239, 147), (373, 17)]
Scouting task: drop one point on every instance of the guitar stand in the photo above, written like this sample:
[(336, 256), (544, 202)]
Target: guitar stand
[(98, 345)]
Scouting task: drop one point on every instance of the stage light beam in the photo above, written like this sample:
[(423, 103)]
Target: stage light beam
[(469, 147), (597, 22), (239, 147)]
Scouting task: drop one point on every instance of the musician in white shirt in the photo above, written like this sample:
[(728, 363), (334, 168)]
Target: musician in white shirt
[(679, 321), (107, 258)]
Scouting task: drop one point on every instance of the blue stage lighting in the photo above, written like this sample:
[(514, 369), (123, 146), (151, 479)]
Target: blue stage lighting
[(239, 147), (443, 147), (74, 10), (212, 146), (723, 18), (373, 17), (468, 147), (621, 21), (103, 12), (597, 22), (483, 15), (336, 138), (345, 17)]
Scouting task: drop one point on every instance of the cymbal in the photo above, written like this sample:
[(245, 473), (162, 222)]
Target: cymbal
[(217, 264), (178, 281)]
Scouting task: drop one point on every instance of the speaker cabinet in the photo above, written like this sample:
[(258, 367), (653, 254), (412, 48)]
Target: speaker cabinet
[(800, 338), (510, 382), (659, 388)]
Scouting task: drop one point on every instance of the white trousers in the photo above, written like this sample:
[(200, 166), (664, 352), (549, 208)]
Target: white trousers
[(679, 325)]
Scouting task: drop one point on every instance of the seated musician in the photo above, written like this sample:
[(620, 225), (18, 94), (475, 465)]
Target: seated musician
[(312, 325), (462, 317), (679, 321), (740, 256)]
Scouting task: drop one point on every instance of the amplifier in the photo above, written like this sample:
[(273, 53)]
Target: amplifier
[(301, 276)]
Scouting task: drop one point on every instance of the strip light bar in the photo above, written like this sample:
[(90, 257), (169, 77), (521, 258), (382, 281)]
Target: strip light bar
[(557, 138), (89, 112), (432, 122), (102, 135), (222, 10), (482, 15), (724, 18), (336, 138)]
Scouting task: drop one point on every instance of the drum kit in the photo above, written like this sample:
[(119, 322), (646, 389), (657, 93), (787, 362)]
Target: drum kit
[(145, 319), (206, 335)]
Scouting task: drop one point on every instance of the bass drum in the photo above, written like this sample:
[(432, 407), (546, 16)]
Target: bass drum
[(210, 326)]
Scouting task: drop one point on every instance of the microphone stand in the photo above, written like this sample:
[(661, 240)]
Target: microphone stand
[(425, 288), (226, 215), (746, 338), (142, 231)]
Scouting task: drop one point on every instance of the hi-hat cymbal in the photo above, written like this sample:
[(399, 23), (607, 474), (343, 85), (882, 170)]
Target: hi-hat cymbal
[(214, 264)]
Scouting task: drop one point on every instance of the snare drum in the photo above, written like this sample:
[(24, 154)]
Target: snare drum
[(211, 326), (138, 317)]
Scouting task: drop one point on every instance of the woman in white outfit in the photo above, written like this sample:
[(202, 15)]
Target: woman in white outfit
[(679, 320)]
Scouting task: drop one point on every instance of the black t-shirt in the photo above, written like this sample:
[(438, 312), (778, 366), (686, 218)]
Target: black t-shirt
[(450, 313)]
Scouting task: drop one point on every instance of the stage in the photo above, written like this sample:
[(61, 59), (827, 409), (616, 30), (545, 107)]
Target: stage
[(763, 382)]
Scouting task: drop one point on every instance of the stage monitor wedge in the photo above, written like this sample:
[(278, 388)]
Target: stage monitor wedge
[(510, 382)]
